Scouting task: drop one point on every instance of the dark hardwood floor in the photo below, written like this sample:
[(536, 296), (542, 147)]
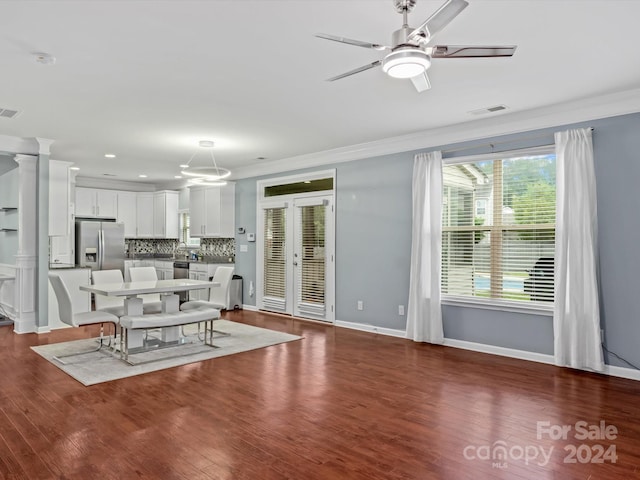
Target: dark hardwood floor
[(339, 404)]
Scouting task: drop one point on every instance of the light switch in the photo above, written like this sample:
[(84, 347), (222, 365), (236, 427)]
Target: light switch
[(244, 248)]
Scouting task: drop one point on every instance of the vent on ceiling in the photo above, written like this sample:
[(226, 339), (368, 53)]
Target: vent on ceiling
[(109, 175), (8, 113), (482, 111)]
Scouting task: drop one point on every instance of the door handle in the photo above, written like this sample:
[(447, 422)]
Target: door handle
[(295, 264)]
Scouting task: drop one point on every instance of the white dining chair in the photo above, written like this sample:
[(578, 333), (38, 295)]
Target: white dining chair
[(218, 296), (65, 311), (115, 305), (150, 301)]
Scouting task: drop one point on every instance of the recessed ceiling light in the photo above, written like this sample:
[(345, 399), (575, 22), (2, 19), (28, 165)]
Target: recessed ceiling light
[(261, 158), (74, 168), (142, 176), (109, 155), (206, 143), (184, 166), (177, 176)]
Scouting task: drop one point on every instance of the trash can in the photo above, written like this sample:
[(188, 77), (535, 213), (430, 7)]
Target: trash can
[(235, 293)]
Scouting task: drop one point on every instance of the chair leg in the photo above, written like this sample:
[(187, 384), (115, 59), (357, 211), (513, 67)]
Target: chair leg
[(60, 357)]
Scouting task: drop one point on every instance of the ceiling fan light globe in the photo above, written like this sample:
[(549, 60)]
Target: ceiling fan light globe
[(406, 63)]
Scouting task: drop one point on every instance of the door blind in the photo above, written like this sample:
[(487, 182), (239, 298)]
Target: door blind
[(311, 260), (274, 296), (498, 219)]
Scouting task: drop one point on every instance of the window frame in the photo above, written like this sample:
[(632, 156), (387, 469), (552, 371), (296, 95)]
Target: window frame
[(184, 224), (535, 308)]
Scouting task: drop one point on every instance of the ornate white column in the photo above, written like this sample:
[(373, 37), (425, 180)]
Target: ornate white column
[(25, 283)]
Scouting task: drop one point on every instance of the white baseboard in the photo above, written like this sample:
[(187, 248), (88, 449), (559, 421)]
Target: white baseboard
[(622, 372), (371, 328), (613, 371), (251, 308), (501, 351)]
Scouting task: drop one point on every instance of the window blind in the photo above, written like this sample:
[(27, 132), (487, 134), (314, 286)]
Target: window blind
[(311, 261), (274, 281), (498, 234)]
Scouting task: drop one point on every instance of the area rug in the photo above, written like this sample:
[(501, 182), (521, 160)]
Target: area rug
[(99, 366)]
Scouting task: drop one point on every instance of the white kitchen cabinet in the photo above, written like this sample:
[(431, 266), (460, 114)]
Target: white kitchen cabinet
[(183, 200), (59, 199), (61, 250), (212, 211), (95, 202), (127, 213), (196, 211), (164, 269), (200, 271), (144, 213), (165, 215)]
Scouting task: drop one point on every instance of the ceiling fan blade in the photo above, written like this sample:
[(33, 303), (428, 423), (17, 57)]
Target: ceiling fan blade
[(441, 18), (349, 41), (421, 82), (472, 51), (355, 70)]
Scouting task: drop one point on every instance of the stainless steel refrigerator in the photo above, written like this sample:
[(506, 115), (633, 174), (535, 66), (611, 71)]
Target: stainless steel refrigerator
[(100, 244)]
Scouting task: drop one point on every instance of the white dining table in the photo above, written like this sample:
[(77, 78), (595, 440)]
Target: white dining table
[(133, 303)]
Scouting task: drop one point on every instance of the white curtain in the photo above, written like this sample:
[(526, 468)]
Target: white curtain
[(576, 315), (424, 313)]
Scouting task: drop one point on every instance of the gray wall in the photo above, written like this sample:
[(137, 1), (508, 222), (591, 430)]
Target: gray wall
[(373, 242), (8, 198)]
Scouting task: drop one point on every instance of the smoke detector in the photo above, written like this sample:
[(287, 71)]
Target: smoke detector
[(44, 58)]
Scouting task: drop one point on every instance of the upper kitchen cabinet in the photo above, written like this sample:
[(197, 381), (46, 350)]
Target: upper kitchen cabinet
[(144, 210), (127, 213), (94, 202), (59, 199), (165, 215), (212, 211)]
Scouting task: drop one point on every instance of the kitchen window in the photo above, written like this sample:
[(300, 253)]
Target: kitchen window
[(498, 228), (184, 232)]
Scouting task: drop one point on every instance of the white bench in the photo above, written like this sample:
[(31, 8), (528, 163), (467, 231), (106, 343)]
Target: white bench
[(162, 320)]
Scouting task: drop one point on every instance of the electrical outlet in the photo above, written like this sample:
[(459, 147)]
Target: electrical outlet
[(400, 309), (360, 305)]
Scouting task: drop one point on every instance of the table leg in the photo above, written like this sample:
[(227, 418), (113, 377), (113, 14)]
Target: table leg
[(170, 304), (133, 307)]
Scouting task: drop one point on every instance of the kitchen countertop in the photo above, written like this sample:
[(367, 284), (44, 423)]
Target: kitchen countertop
[(171, 258), (64, 266)]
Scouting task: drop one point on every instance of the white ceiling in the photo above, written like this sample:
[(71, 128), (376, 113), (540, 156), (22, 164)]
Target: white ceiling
[(147, 79)]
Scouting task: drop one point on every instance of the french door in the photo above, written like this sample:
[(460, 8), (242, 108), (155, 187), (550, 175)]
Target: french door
[(296, 257)]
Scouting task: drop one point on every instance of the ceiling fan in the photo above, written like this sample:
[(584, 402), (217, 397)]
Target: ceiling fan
[(410, 54)]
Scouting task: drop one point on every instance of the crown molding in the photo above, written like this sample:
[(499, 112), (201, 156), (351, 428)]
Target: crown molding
[(581, 110), (112, 184), (26, 146)]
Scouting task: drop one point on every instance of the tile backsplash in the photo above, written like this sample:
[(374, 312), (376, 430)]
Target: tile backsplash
[(208, 246)]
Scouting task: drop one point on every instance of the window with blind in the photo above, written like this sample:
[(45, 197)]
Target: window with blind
[(184, 231), (312, 260), (275, 255), (498, 227)]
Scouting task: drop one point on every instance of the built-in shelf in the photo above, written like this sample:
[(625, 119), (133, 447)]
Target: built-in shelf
[(8, 229), (8, 209)]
